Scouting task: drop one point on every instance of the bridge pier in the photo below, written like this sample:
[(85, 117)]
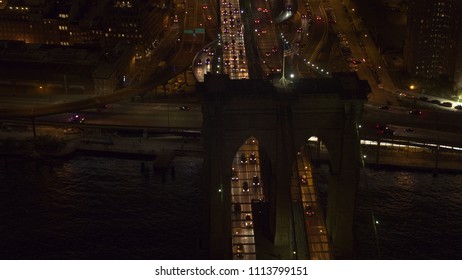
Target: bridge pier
[(343, 183)]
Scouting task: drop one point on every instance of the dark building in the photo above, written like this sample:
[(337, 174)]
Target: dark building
[(75, 22), (433, 42), (50, 69)]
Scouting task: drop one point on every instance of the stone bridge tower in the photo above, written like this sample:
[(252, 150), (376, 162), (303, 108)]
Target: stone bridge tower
[(282, 119)]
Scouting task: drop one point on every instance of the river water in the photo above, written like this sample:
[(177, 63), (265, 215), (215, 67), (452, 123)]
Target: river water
[(88, 207)]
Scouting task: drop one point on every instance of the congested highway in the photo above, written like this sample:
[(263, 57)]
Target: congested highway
[(246, 187)]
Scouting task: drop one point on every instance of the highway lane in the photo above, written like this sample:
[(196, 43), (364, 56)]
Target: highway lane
[(313, 216), (235, 62), (266, 37), (245, 165), (362, 47), (310, 37), (159, 115), (432, 126)]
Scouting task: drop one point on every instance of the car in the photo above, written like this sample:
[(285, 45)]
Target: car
[(380, 126), (299, 30), (458, 107), (264, 31), (209, 18), (435, 101), (318, 18), (409, 130), (388, 131), (265, 10), (384, 129), (207, 61), (77, 119), (199, 62), (415, 112), (204, 6), (257, 20), (184, 108), (234, 176), (175, 19), (303, 180), (239, 250), (244, 159), (447, 104), (303, 15), (384, 107), (253, 158), (309, 211), (245, 187), (248, 220), (256, 181), (423, 98)]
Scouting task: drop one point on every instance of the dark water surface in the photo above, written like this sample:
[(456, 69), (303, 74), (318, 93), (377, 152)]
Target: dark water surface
[(100, 208), (104, 208)]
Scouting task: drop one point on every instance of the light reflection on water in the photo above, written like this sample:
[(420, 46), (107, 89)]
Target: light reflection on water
[(420, 216)]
